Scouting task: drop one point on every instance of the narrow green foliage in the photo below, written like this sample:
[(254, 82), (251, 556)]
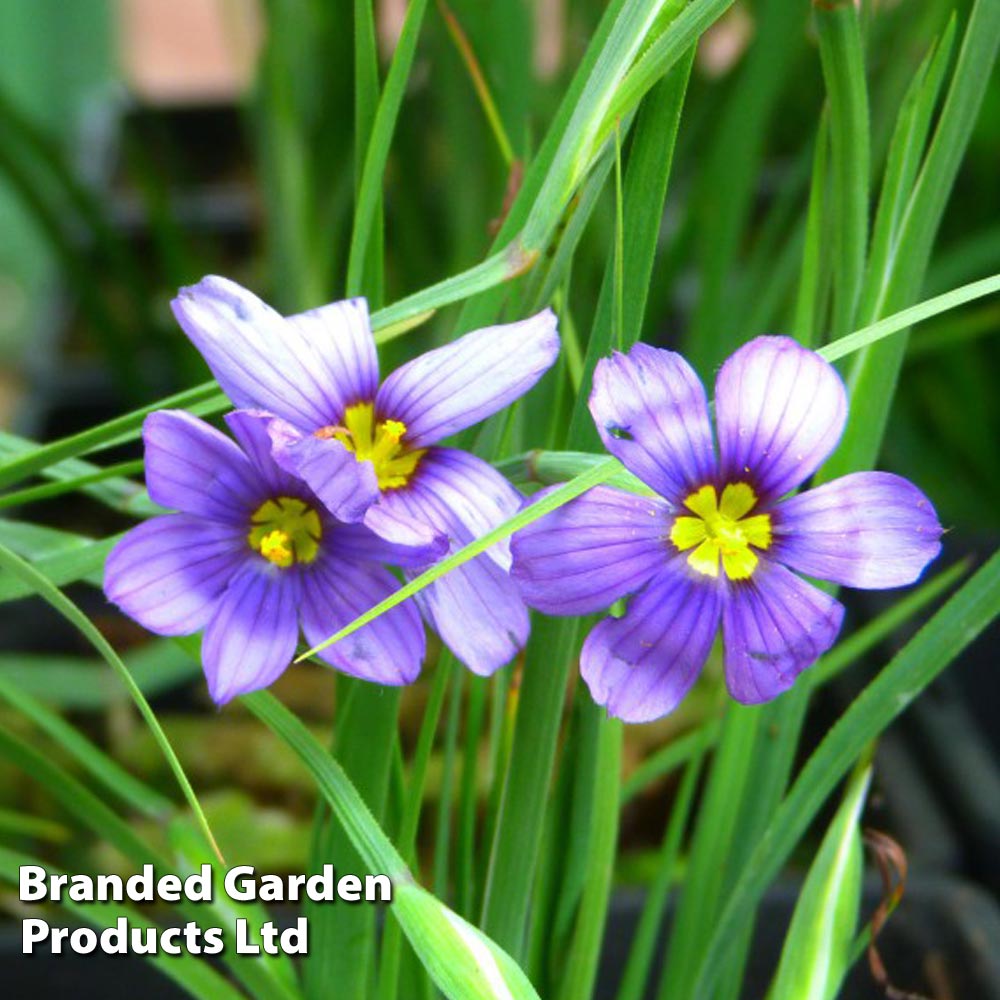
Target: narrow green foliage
[(556, 498), (936, 645), (373, 173), (843, 68), (133, 793), (464, 963), (196, 977), (55, 597), (816, 953)]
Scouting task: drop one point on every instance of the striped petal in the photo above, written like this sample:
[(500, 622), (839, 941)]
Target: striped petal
[(641, 665), (194, 468), (458, 385), (389, 650), (652, 414), (780, 411), (261, 360), (169, 572), (585, 555), (774, 626), (869, 529), (252, 636)]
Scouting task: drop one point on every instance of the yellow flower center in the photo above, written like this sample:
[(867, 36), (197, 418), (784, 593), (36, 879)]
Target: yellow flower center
[(285, 530), (378, 442), (722, 531)]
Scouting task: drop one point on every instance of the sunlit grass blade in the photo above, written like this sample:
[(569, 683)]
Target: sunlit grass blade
[(58, 600), (557, 498), (816, 953), (924, 657), (464, 963), (901, 321)]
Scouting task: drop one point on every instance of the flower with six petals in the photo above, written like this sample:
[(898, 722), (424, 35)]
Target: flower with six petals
[(251, 556), (718, 541), (370, 453)]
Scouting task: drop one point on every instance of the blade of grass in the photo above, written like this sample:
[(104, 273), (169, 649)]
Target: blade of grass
[(635, 979), (585, 951), (465, 964), (369, 195), (557, 498), (842, 57), (932, 649), (256, 974), (105, 770), (55, 597)]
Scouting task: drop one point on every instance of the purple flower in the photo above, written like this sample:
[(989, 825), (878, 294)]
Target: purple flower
[(251, 557), (370, 452), (718, 543)]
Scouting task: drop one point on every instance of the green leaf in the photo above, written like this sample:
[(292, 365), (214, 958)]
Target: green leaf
[(817, 950), (844, 71), (924, 657), (55, 597), (373, 173), (462, 961), (599, 474), (124, 786)]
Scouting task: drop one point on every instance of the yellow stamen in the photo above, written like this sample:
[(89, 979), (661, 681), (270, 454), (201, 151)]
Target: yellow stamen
[(378, 442), (285, 530), (722, 532)]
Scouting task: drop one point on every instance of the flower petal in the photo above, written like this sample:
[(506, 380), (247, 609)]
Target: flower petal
[(652, 414), (342, 350), (196, 469), (774, 625), (252, 635), (641, 665), (478, 612), (462, 496), (476, 609), (251, 428), (780, 411), (455, 386), (868, 529), (345, 486), (389, 650), (583, 556), (260, 359), (397, 541), (169, 572)]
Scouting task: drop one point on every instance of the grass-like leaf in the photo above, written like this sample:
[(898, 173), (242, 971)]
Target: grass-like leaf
[(47, 590), (924, 657)]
